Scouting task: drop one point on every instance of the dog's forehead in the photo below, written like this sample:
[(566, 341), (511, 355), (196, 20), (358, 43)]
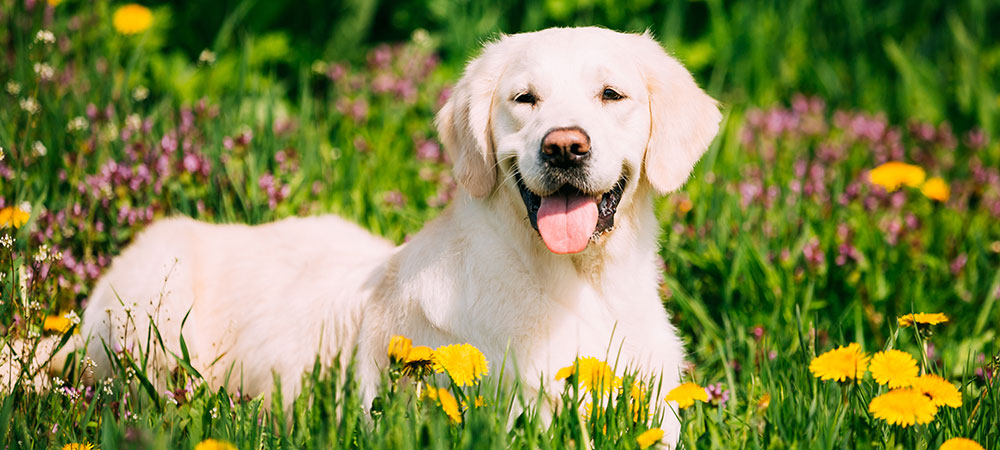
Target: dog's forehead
[(567, 55)]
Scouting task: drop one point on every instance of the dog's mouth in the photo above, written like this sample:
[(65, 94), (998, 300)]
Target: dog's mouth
[(569, 218)]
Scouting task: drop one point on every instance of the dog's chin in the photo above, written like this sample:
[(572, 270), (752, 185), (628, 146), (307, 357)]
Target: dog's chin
[(606, 205)]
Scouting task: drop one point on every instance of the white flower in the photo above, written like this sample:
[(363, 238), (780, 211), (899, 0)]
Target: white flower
[(45, 37), (207, 57), (73, 318), (44, 71), (42, 254), (1, 154), (6, 241), (133, 121), (13, 87), (29, 105), (140, 93), (39, 148), (77, 123)]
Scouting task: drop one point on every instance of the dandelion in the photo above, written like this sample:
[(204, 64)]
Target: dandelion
[(936, 189), (214, 444), (960, 444), (903, 407), (639, 402), (840, 364), (922, 319), (75, 446), (399, 348), (939, 390), (893, 174), (565, 372), (649, 437), (895, 368), (14, 216), (764, 401), (447, 401), (464, 363), (132, 18), (593, 375), (418, 361), (686, 394), (58, 324)]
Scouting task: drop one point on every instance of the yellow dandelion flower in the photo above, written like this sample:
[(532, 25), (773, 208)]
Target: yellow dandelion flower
[(638, 403), (447, 401), (765, 401), (132, 18), (649, 437), (419, 353), (478, 403), (893, 174), (418, 361), (14, 216), (593, 375), (895, 368), (922, 319), (686, 394), (939, 390), (54, 3), (58, 324), (399, 348), (565, 372), (464, 363), (75, 446), (840, 363), (903, 407), (214, 444), (960, 444), (936, 189)]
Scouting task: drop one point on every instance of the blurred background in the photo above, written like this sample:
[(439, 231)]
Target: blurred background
[(922, 59)]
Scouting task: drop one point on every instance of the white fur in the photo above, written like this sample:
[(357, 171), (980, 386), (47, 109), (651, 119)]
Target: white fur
[(270, 298)]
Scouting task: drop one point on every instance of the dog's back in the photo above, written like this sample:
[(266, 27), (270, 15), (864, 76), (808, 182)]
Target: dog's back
[(293, 288)]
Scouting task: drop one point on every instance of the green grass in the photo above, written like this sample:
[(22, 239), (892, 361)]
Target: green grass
[(777, 250)]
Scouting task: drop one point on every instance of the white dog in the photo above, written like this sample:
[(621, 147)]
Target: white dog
[(559, 140)]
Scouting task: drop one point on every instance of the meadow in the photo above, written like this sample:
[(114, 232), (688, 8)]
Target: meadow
[(855, 182)]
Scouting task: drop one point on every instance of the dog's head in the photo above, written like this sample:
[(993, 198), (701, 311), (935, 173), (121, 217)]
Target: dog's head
[(572, 120)]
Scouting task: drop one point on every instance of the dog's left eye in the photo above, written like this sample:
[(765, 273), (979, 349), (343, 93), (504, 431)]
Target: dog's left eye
[(611, 95)]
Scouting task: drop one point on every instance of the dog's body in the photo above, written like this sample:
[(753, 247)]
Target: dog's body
[(559, 138)]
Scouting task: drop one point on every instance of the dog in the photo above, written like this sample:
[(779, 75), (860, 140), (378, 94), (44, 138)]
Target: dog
[(559, 141)]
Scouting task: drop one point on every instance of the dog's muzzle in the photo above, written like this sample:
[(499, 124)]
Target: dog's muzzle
[(568, 218)]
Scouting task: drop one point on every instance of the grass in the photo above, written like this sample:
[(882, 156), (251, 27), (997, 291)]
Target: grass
[(776, 251)]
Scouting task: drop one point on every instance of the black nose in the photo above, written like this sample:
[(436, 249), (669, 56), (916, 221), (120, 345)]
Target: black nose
[(565, 147)]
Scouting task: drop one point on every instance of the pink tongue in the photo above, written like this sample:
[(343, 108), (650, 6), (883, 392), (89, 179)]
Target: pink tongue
[(566, 222)]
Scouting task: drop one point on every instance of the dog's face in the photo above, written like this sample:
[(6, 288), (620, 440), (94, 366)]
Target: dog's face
[(571, 121)]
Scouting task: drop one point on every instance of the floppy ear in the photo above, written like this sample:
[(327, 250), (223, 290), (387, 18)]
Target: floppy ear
[(683, 118), (463, 124)]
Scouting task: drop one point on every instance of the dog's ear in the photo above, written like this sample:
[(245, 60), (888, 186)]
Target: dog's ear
[(683, 118), (463, 123)]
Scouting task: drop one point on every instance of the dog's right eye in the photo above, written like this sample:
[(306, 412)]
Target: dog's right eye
[(526, 97)]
